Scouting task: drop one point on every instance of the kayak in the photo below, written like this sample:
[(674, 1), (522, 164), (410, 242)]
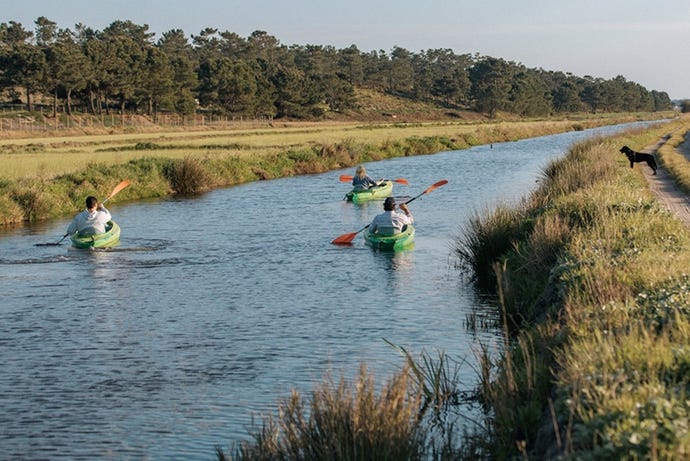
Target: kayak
[(395, 242), (110, 238), (374, 193)]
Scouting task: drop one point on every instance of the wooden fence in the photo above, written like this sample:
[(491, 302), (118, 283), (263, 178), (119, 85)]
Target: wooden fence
[(11, 120)]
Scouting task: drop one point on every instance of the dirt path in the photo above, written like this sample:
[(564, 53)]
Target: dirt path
[(663, 186)]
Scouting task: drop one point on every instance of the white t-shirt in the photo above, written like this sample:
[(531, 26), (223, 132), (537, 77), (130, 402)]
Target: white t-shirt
[(390, 220), (90, 222)]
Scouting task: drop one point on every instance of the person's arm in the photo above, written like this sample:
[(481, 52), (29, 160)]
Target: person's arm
[(72, 228), (406, 210), (104, 214)]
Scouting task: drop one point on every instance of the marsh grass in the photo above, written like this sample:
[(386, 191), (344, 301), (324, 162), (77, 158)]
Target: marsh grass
[(487, 237), (342, 421), (598, 365), (408, 417), (436, 378)]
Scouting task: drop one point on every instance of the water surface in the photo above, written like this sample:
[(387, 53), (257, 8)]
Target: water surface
[(213, 308)]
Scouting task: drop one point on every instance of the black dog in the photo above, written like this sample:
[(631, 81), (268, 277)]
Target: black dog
[(635, 157)]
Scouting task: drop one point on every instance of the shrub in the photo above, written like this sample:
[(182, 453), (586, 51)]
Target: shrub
[(187, 176), (342, 422)]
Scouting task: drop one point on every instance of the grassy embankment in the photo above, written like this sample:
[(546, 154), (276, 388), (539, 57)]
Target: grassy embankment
[(49, 176), (595, 293)]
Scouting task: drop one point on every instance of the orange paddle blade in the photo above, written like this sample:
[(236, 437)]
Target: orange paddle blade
[(348, 238), (435, 186), (345, 177), (118, 188), (402, 181), (345, 238)]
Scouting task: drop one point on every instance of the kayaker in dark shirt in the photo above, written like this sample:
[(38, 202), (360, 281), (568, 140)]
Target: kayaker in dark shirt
[(362, 181), (391, 222)]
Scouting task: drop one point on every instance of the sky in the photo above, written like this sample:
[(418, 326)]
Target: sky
[(645, 41)]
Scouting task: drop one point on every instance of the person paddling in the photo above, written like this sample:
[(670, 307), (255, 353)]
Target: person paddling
[(391, 222), (92, 220), (361, 180)]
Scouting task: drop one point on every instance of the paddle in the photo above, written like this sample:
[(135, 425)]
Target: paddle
[(348, 238), (348, 178), (117, 189)]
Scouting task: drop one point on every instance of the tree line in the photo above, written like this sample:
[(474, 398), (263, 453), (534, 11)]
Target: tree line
[(124, 68)]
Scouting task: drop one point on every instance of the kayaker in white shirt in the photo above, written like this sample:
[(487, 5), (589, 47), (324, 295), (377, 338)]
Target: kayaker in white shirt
[(362, 181), (391, 222), (92, 220)]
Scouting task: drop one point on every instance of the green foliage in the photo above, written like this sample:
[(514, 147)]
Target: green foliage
[(487, 239), (596, 283), (258, 77)]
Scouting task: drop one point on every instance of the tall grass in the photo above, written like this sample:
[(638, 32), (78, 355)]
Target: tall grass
[(675, 161), (408, 417), (342, 422), (487, 237), (597, 367)]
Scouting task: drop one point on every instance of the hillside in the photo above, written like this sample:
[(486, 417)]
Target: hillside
[(378, 106)]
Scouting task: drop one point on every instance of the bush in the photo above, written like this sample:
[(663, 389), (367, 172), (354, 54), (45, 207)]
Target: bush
[(187, 176)]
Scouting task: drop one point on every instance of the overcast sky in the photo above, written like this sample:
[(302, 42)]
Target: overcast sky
[(645, 41)]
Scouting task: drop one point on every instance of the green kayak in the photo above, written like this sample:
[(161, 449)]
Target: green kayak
[(382, 191), (396, 242), (109, 239)]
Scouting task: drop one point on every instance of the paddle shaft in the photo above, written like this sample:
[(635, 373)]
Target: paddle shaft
[(348, 178), (429, 189)]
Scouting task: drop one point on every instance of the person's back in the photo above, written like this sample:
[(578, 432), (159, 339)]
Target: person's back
[(92, 220), (391, 222), (362, 181)]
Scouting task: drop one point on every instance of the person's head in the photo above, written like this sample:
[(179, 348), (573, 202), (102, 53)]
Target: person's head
[(91, 202), (361, 171), (389, 204)]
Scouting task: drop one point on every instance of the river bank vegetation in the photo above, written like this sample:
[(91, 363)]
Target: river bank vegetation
[(49, 175), (592, 278)]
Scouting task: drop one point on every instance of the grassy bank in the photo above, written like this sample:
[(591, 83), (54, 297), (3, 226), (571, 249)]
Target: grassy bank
[(592, 278), (48, 176)]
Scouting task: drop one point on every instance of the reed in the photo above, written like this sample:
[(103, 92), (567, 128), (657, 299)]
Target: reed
[(486, 238), (436, 378), (408, 417), (342, 422)]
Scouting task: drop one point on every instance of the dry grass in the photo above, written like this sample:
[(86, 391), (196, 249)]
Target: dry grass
[(342, 422), (55, 154)]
